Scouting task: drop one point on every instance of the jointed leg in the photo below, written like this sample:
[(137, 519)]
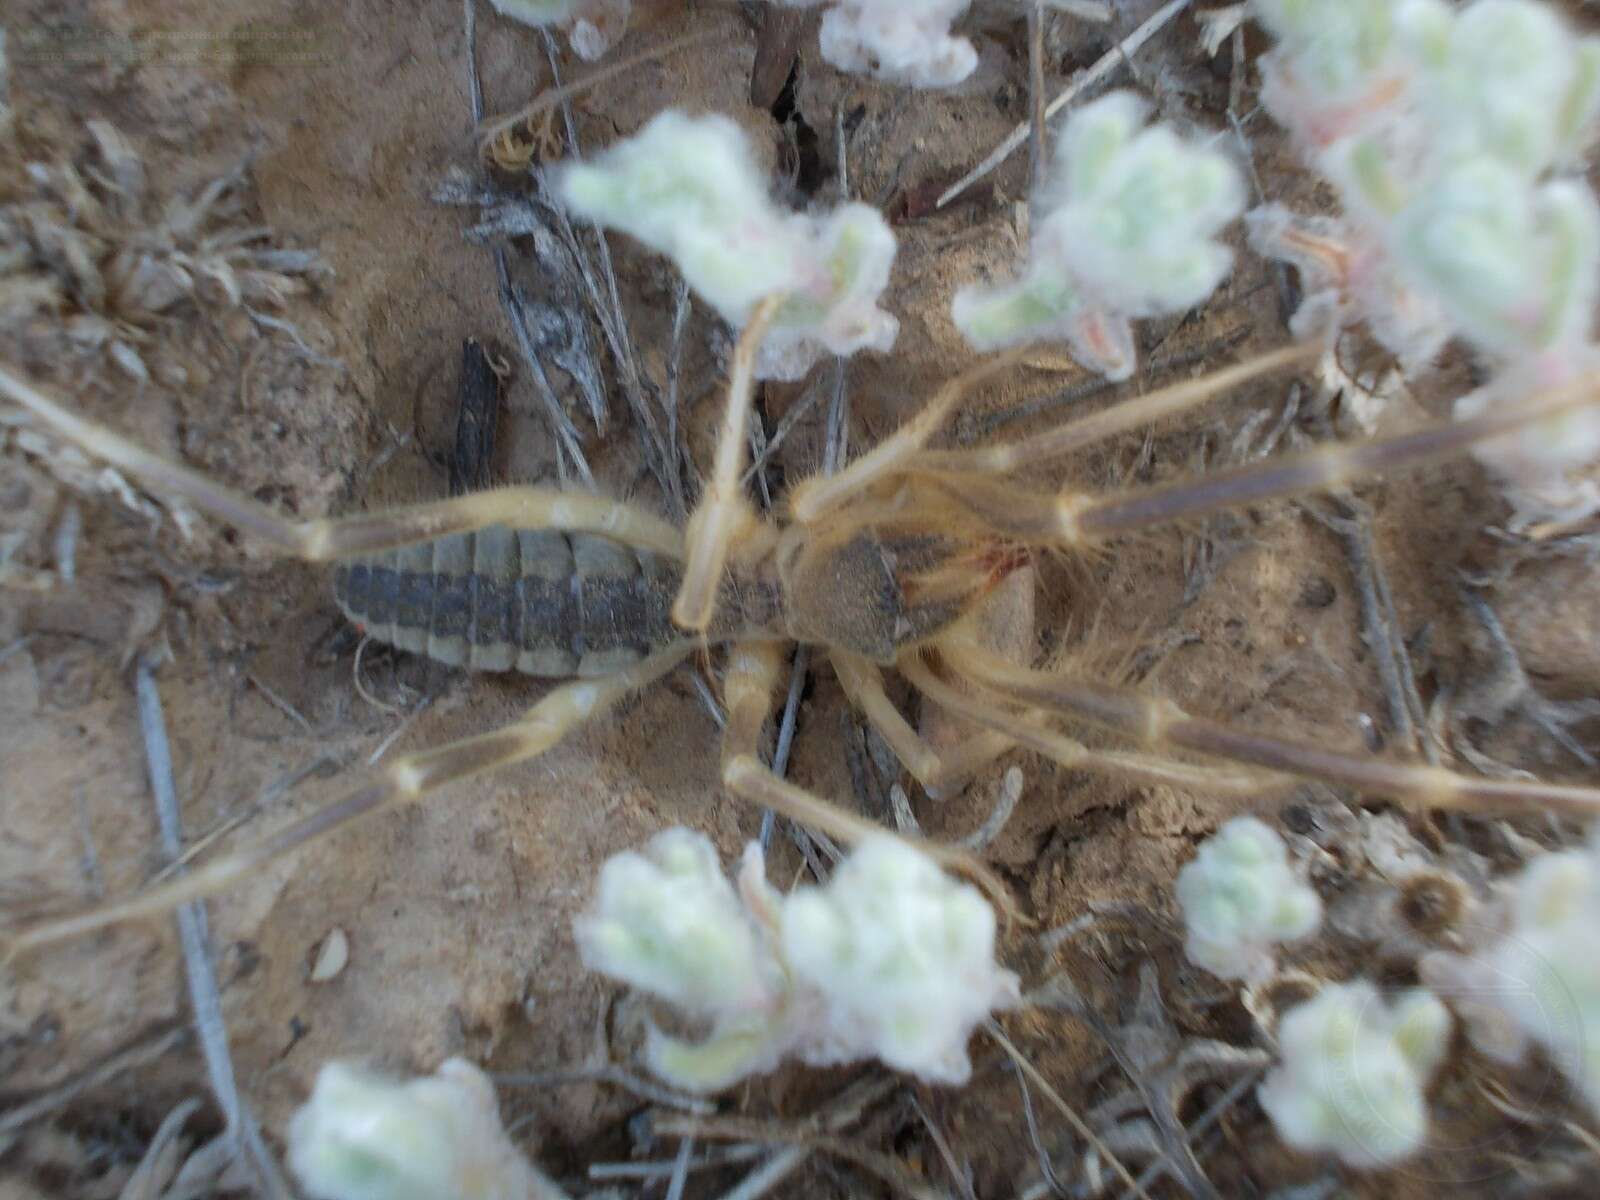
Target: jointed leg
[(960, 763), (723, 514), (1075, 519), (1162, 724), (751, 678), (1033, 733), (325, 539), (407, 778), (904, 449), (748, 683), (1119, 418), (822, 494), (863, 684)]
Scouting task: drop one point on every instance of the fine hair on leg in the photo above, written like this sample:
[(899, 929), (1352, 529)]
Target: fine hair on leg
[(325, 539), (752, 676), (723, 514), (407, 778), (1030, 730), (1133, 413), (1076, 520), (1161, 724)]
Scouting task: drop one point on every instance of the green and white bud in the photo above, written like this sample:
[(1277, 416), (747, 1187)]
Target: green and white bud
[(362, 1136), (890, 959), (1337, 48), (536, 12), (1240, 899), (1546, 469), (1514, 264), (1444, 128), (1540, 980), (900, 959), (667, 921), (1125, 228), (592, 25), (899, 41), (1354, 1072), (689, 188), (1506, 80)]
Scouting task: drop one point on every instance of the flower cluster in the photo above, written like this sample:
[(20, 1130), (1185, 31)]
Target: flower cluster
[(890, 959), (592, 26), (1123, 228), (1538, 978), (900, 41), (1353, 1073), (1240, 898), (689, 188), (1451, 135), (365, 1137)]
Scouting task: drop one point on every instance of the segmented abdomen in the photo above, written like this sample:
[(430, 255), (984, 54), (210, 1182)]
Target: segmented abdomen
[(543, 603)]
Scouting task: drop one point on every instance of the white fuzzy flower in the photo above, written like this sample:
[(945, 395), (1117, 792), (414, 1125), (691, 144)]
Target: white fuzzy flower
[(1240, 898), (1354, 1071), (667, 921), (1445, 127), (689, 188), (1540, 979), (364, 1137), (1347, 275), (1515, 265), (890, 959), (536, 12), (1506, 80), (901, 41), (901, 959), (1126, 229), (592, 25), (1338, 48), (1549, 470)]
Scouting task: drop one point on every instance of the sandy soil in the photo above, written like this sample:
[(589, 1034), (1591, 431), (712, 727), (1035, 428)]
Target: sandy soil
[(457, 912)]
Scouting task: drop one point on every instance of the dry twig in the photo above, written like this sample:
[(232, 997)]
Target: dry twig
[(614, 1075), (741, 1129), (147, 1050), (1113, 58), (203, 995)]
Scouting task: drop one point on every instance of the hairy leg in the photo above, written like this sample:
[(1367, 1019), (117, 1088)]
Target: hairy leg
[(1161, 724), (818, 496), (863, 684), (1119, 418), (328, 538), (1028, 730), (904, 449), (1076, 520), (723, 515), (406, 779), (751, 678)]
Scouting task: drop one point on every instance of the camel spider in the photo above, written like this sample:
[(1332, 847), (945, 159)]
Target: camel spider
[(878, 564)]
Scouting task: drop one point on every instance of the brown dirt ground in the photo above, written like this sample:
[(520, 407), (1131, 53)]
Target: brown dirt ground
[(458, 911)]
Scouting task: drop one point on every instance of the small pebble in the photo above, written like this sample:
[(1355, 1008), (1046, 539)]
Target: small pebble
[(332, 956)]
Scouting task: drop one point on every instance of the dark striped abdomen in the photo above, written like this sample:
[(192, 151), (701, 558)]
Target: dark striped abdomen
[(544, 603)]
